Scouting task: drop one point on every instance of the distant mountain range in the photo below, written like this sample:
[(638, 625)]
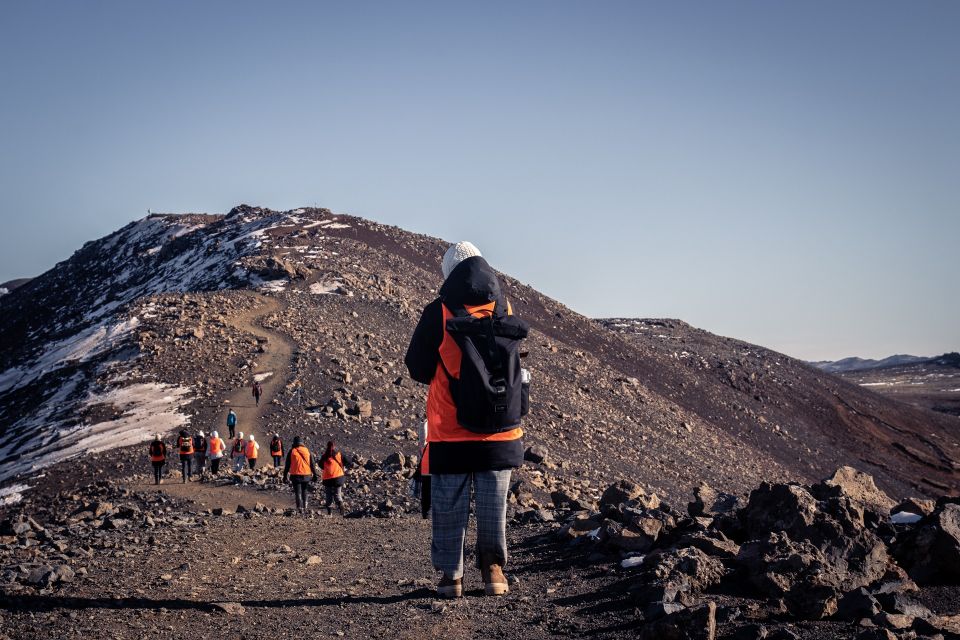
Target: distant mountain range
[(847, 365)]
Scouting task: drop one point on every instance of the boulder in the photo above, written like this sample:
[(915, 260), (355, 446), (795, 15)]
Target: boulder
[(363, 409), (620, 492), (697, 623), (856, 605), (709, 502), (901, 603), (809, 579), (536, 454), (394, 461), (931, 552), (779, 507), (716, 545), (699, 570), (858, 487), (915, 505)]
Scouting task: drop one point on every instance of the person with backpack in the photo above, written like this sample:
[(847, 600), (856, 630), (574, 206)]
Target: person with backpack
[(239, 453), (232, 423), (216, 449), (466, 347), (185, 447), (333, 476), (251, 450), (300, 469), (276, 450), (200, 452), (257, 391), (158, 457)]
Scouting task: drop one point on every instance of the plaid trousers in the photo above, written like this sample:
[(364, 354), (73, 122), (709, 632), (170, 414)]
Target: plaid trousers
[(450, 498)]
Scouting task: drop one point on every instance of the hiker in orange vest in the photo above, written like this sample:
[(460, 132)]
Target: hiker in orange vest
[(238, 451), (158, 457), (276, 450), (216, 449), (466, 347), (185, 447), (251, 451), (333, 476), (301, 469)]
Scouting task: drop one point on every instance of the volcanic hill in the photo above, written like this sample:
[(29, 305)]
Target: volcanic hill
[(165, 323)]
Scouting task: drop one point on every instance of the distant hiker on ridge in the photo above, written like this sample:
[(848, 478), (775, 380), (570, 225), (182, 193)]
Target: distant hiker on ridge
[(334, 476), (301, 469), (200, 452), (232, 423), (276, 450), (239, 453), (185, 447), (216, 448), (158, 457), (251, 451), (474, 405), (257, 391)]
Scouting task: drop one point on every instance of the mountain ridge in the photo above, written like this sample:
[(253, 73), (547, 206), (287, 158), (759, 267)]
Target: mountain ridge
[(665, 403)]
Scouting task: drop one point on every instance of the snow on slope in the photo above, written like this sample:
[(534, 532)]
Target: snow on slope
[(59, 337)]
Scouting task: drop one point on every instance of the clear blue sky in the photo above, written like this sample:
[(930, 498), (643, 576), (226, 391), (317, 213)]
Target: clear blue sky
[(783, 172)]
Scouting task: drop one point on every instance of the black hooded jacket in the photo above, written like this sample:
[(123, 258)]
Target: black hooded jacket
[(472, 282)]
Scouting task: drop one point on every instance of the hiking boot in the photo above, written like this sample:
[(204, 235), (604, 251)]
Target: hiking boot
[(494, 582), (450, 587)]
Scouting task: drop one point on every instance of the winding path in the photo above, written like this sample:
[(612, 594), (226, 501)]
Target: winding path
[(277, 360)]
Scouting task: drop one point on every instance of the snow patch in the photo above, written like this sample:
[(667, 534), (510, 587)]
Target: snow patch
[(323, 288), (81, 347), (12, 494), (905, 517), (260, 377), (146, 409)]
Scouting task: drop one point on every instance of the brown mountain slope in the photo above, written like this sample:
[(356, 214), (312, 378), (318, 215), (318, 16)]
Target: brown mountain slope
[(664, 404)]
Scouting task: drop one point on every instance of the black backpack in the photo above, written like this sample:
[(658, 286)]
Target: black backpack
[(490, 394)]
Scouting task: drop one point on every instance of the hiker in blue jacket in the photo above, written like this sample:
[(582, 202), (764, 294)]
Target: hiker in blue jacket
[(232, 423)]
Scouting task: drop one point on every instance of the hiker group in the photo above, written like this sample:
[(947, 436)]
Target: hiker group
[(466, 348), (300, 468)]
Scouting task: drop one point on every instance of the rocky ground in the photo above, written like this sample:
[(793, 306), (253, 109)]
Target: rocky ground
[(128, 559)]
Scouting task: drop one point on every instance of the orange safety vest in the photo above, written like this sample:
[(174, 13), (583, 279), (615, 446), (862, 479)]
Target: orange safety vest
[(185, 444), (238, 447), (157, 451), (300, 461), (216, 446), (441, 410), (332, 466), (252, 447), (279, 448)]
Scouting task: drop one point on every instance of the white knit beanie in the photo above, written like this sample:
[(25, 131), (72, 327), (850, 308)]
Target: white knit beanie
[(456, 254)]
